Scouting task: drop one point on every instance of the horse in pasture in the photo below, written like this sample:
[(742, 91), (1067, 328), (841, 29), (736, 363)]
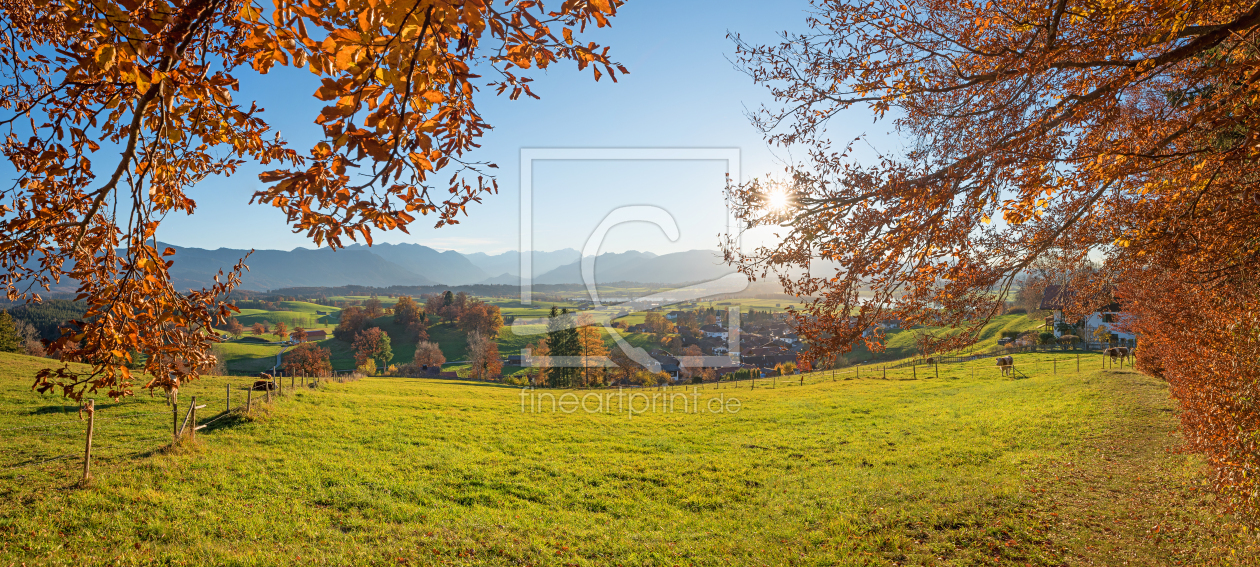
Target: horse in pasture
[(1006, 364)]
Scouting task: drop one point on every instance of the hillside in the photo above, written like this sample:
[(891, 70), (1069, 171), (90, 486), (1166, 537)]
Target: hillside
[(449, 268), (1067, 469), (300, 267), (675, 268)]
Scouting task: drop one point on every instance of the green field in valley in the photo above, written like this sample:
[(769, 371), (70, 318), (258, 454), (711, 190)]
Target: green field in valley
[(1061, 468)]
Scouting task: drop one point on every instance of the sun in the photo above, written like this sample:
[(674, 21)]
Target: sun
[(777, 200)]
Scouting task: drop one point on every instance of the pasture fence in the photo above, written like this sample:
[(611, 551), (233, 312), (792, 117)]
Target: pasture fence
[(39, 444), (979, 367)]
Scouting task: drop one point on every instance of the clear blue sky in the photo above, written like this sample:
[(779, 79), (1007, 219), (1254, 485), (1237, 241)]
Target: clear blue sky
[(682, 92)]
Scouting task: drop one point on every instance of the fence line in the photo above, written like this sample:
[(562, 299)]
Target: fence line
[(85, 427)]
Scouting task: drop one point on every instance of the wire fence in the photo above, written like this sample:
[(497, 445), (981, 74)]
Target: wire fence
[(1063, 362), (111, 434)]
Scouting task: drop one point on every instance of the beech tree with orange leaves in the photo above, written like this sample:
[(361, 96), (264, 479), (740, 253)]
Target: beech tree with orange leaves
[(112, 110), (1119, 139)]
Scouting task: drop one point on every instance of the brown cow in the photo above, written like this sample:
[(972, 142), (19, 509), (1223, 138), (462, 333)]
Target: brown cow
[(266, 382), (1119, 352), (1006, 364)]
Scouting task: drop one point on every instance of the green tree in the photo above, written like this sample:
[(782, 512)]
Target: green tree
[(562, 340), (10, 340)]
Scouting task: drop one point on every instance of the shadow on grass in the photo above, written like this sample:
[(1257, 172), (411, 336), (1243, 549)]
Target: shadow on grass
[(100, 406)]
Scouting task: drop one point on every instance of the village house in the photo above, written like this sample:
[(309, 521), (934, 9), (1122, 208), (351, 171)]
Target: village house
[(1056, 298), (714, 331)]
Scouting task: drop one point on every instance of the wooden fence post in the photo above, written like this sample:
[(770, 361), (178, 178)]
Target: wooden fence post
[(174, 423), (87, 449), (914, 371), (885, 369), (937, 367), (229, 399), (1078, 363), (1056, 366), (193, 416)]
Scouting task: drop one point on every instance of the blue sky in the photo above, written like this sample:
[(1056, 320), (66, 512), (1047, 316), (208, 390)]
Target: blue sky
[(682, 92)]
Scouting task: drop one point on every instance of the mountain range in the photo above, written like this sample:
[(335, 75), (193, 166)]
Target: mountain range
[(385, 265)]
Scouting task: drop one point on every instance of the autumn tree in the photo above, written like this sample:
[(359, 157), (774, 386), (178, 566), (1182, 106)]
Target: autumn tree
[(481, 317), (282, 330), (429, 354), (157, 83), (433, 306), (407, 311), (540, 353), (373, 344), (308, 359), (691, 368), (1125, 133), (483, 357), (259, 330), (590, 339), (299, 334), (353, 321), (234, 327), (373, 308), (624, 367), (657, 323)]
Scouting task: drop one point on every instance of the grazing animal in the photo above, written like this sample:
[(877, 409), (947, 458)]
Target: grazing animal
[(1120, 352), (1006, 364), (264, 383)]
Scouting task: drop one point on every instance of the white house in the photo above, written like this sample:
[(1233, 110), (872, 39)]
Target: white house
[(1109, 317), (714, 331)]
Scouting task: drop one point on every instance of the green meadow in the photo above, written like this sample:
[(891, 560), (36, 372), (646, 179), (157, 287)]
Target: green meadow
[(1063, 467)]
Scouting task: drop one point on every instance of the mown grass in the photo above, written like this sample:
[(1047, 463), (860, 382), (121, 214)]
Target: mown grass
[(1063, 468)]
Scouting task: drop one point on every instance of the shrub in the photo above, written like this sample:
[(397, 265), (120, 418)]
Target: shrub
[(1046, 338), (1010, 335), (697, 379), (368, 367), (644, 378), (1017, 311)]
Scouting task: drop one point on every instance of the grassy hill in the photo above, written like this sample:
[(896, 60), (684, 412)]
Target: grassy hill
[(1062, 468), (293, 314), (900, 344)]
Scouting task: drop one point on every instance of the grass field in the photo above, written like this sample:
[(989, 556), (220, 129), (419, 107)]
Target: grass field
[(293, 313), (900, 344), (1064, 468)]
